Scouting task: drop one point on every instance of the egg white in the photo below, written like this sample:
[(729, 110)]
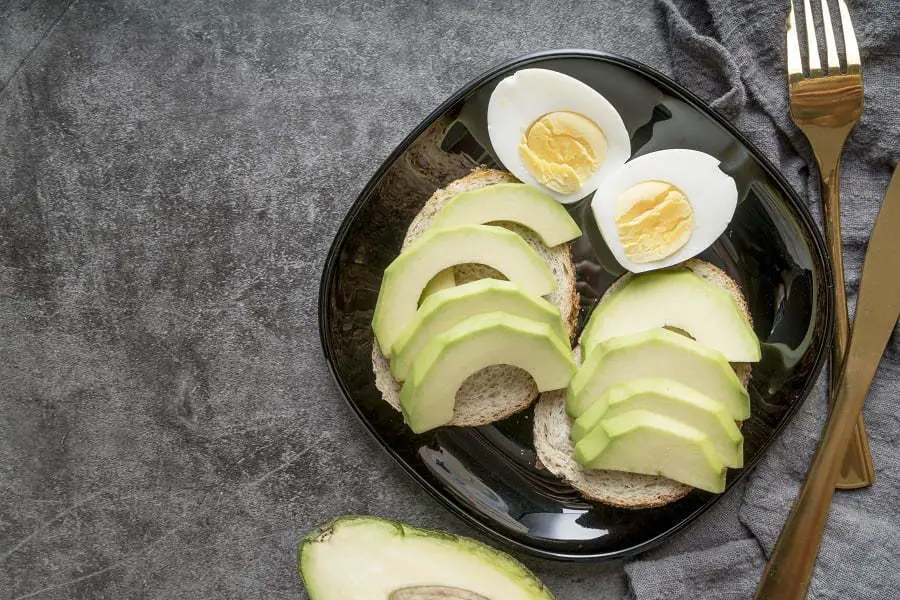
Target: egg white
[(527, 95), (711, 192)]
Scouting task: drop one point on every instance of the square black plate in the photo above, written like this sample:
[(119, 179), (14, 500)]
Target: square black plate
[(488, 475)]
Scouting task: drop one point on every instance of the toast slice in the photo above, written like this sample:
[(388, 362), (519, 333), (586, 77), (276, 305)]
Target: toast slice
[(555, 450), (498, 391)]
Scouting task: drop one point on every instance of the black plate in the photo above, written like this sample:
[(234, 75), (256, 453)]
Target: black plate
[(488, 475)]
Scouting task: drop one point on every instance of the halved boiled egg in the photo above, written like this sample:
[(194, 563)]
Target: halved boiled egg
[(555, 132), (663, 208)]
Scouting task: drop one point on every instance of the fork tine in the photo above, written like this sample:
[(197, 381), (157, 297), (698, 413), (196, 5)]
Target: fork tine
[(794, 62), (815, 67), (850, 46), (833, 65)]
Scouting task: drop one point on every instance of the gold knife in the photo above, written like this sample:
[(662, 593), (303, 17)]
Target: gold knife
[(792, 561)]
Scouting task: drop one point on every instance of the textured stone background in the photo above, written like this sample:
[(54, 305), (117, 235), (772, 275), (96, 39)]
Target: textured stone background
[(171, 175)]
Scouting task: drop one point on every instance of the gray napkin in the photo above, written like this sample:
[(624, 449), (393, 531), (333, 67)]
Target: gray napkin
[(732, 54)]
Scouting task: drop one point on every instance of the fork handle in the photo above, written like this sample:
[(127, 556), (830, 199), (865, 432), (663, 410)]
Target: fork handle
[(857, 470)]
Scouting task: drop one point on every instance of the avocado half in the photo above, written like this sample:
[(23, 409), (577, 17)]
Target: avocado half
[(368, 558)]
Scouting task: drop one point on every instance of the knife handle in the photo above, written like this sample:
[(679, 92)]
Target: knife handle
[(792, 561)]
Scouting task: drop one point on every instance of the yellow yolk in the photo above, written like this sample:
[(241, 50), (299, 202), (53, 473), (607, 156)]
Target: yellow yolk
[(654, 220), (562, 150)]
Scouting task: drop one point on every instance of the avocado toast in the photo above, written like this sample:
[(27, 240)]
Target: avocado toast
[(553, 428), (497, 391)]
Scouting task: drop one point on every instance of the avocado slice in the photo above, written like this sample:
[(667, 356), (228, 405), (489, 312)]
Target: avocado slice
[(434, 251), (675, 298), (640, 441), (657, 353), (674, 400), (515, 202), (429, 394), (367, 558), (442, 310)]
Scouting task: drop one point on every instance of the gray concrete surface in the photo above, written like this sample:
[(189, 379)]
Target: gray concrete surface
[(171, 175)]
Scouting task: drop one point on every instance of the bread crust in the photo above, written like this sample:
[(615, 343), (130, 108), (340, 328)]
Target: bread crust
[(552, 427), (498, 391)]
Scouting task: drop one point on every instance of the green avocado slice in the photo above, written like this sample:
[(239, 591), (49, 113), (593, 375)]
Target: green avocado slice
[(674, 400), (640, 441), (657, 353), (367, 558), (675, 298), (515, 202), (434, 251), (442, 310), (429, 394)]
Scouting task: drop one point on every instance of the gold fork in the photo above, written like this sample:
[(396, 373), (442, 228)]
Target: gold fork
[(826, 105)]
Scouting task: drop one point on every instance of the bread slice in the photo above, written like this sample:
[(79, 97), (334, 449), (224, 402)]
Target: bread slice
[(555, 450), (498, 391)]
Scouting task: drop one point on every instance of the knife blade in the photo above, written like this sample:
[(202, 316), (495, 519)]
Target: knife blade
[(794, 557)]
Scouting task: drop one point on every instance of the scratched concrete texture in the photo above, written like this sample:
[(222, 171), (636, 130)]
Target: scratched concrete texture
[(171, 176)]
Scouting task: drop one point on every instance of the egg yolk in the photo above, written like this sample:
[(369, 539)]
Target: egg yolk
[(654, 220), (562, 150)]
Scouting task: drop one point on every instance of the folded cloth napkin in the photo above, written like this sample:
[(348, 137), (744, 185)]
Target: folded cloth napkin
[(731, 52)]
